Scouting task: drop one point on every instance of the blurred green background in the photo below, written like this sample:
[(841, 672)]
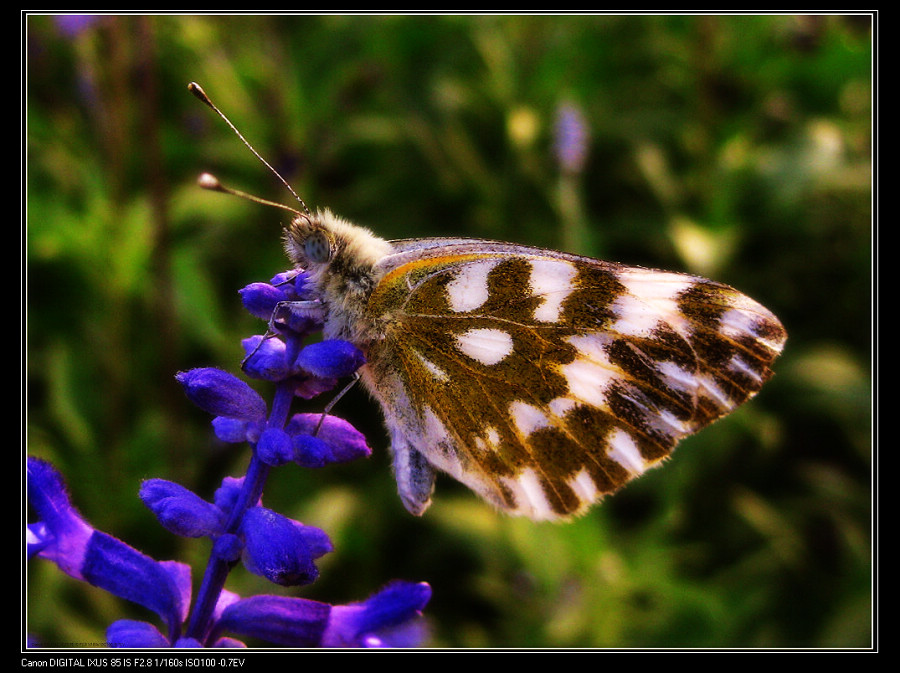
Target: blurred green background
[(736, 147)]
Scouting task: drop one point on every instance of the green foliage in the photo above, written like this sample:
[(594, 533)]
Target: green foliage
[(737, 147)]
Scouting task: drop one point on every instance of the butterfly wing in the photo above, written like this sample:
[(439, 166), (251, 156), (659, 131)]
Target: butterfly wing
[(542, 380)]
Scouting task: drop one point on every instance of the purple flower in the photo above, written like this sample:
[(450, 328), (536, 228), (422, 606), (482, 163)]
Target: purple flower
[(266, 359), (274, 447), (280, 549), (97, 558), (390, 618), (571, 138), (222, 394), (235, 430), (62, 535), (336, 441), (285, 304), (261, 299), (330, 359), (133, 633), (270, 359), (271, 545), (227, 495), (72, 25), (181, 511)]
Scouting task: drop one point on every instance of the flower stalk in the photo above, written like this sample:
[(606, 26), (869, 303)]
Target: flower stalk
[(240, 528)]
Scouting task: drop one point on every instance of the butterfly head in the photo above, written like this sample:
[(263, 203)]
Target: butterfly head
[(341, 260), (322, 242), (309, 243)]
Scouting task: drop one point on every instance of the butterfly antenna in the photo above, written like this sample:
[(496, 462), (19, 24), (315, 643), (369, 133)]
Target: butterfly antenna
[(211, 182), (198, 91)]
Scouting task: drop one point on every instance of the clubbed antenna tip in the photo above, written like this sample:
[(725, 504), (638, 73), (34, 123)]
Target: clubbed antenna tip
[(198, 91)]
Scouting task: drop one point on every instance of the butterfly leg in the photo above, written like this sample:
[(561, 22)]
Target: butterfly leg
[(415, 475), (334, 401), (283, 313), (301, 311)]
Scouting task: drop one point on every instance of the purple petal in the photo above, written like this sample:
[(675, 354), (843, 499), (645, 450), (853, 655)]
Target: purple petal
[(571, 138), (129, 633), (260, 299), (316, 540), (293, 283), (331, 359), (285, 278), (226, 598), (37, 538), (180, 577), (277, 548), (311, 452), (112, 565), (281, 620), (274, 447), (346, 442), (228, 547), (313, 386), (98, 558), (234, 430), (227, 494), (181, 511), (372, 622), (222, 394), (266, 358), (271, 302), (65, 534)]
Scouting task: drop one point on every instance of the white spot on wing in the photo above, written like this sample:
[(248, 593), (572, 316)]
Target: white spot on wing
[(738, 365), (588, 380), (584, 487), (652, 297), (534, 495), (562, 405), (469, 289), (625, 452), (551, 280), (635, 317), (737, 323), (677, 377), (438, 373), (487, 346), (712, 391), (592, 345), (668, 423), (527, 417)]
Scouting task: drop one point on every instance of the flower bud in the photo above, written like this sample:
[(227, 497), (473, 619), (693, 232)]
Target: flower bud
[(222, 394)]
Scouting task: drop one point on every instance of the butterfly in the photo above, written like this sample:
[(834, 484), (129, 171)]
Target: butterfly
[(539, 379)]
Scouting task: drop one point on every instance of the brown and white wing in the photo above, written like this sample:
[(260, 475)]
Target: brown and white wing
[(543, 381)]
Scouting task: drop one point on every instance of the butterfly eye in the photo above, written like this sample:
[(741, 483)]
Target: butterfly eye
[(317, 247)]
